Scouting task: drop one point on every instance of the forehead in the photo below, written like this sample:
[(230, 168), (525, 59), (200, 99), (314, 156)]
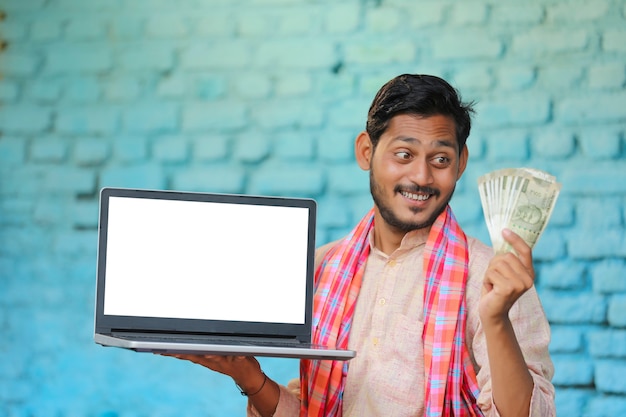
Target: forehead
[(432, 130)]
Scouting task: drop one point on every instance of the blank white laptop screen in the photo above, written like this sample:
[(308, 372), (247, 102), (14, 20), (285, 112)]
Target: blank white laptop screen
[(206, 260)]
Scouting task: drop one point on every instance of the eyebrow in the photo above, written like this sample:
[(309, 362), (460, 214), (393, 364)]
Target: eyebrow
[(439, 143)]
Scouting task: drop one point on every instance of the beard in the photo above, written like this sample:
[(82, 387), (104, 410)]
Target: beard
[(390, 217)]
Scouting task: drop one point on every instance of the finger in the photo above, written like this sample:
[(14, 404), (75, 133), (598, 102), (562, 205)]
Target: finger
[(520, 246)]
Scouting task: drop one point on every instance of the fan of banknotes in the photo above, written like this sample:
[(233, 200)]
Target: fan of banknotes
[(520, 199)]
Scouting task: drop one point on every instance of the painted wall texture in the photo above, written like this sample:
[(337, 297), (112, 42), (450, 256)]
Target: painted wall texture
[(266, 97)]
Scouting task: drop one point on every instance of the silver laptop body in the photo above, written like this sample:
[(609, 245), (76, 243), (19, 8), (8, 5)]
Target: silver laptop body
[(183, 272)]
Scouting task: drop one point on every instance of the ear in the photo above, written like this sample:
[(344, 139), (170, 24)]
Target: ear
[(463, 157), (363, 150)]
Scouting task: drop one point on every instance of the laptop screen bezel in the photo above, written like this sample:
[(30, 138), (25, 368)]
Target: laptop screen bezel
[(108, 324)]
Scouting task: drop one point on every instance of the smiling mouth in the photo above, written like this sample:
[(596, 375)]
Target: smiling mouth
[(415, 196)]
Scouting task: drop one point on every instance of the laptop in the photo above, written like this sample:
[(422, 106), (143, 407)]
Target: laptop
[(203, 273)]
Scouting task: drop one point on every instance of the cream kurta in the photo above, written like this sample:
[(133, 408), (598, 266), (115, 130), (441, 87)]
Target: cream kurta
[(386, 378)]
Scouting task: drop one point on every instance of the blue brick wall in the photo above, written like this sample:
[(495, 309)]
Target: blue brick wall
[(266, 97)]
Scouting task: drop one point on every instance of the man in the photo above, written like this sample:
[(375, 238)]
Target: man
[(441, 326)]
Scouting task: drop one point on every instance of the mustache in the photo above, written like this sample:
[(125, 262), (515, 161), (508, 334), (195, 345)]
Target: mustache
[(415, 189)]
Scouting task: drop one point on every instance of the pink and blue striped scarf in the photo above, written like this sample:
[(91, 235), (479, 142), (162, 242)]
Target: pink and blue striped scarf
[(451, 386)]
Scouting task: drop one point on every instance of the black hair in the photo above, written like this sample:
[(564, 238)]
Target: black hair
[(421, 95)]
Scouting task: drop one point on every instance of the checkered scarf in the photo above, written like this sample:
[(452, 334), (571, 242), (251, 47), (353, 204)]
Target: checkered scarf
[(451, 386)]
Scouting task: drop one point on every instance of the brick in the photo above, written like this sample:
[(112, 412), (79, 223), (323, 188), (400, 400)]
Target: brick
[(517, 110), (294, 145), (13, 31), (210, 148), (12, 151), (349, 113), (335, 86), (171, 149), (566, 340), (606, 406), (289, 85), (86, 28), (347, 179), (609, 343), (600, 143), (468, 14), (613, 40), (551, 246), (50, 211), (607, 276), (130, 148), (578, 11), (252, 86), (213, 116), (560, 76), (572, 371), (287, 180), (593, 245), (87, 120), (298, 21), (217, 179), (382, 19), (25, 119), (53, 150), (563, 214), (142, 175), (471, 44), (473, 78), (588, 210), (295, 53), (571, 402), (46, 30), (429, 14), (582, 308), (208, 87), (168, 27), (85, 214), (9, 91), (515, 77), (251, 147), (285, 114), (617, 310), (601, 108), (122, 89), (148, 57), (19, 64), (564, 275), (609, 377), (82, 90), (336, 145), (465, 208), (216, 24), (507, 144), (553, 144), (43, 91), (379, 52), (65, 179), (341, 18), (151, 118), (607, 76), (592, 180), (223, 55), (75, 243), (333, 212), (517, 14), (126, 28), (542, 42), (256, 24), (92, 59)]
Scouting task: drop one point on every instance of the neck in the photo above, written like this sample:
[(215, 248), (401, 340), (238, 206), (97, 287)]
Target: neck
[(386, 237)]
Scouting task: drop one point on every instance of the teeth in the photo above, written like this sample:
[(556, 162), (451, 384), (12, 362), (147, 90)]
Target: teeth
[(418, 197)]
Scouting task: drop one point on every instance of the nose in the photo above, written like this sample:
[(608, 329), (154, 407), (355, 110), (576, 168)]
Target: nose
[(420, 172)]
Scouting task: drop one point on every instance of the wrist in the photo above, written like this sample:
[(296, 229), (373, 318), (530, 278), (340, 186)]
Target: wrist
[(252, 385)]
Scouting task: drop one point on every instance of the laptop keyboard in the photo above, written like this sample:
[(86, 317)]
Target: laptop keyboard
[(214, 340)]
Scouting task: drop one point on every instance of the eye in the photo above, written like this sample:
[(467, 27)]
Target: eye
[(403, 155), (442, 161)]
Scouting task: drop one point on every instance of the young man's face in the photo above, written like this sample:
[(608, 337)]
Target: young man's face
[(414, 170)]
